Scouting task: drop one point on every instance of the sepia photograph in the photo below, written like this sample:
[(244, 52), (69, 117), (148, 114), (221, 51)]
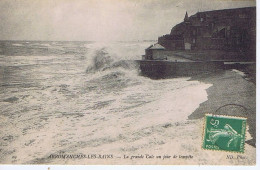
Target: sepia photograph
[(128, 82)]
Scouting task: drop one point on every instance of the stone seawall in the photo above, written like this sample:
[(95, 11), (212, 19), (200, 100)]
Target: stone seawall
[(167, 69)]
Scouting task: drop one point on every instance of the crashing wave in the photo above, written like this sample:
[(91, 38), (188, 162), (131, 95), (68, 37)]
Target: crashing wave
[(102, 61)]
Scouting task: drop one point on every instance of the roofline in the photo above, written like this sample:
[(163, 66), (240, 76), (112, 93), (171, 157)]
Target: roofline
[(151, 46), (224, 10)]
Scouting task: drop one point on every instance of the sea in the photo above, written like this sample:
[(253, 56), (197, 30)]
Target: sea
[(70, 96)]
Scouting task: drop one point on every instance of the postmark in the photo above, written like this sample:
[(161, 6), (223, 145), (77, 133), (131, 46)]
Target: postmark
[(224, 133)]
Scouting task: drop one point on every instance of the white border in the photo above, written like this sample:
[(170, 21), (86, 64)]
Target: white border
[(161, 167)]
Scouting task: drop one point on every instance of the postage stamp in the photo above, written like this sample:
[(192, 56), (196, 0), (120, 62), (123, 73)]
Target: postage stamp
[(224, 133)]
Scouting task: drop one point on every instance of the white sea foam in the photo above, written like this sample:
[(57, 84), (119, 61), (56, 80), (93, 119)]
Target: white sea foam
[(52, 103), (239, 72), (18, 45)]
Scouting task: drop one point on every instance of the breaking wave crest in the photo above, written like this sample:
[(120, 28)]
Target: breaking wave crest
[(101, 60)]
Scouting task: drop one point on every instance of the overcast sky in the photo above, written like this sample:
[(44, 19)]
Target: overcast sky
[(99, 20)]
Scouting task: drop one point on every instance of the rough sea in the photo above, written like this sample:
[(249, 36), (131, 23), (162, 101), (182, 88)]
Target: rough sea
[(85, 97)]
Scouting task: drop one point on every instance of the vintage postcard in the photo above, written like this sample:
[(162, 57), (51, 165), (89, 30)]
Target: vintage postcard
[(128, 82)]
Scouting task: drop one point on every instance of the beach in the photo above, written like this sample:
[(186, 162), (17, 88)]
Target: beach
[(184, 138), (181, 138), (234, 89)]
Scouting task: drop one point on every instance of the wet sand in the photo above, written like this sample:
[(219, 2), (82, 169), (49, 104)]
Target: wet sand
[(231, 88)]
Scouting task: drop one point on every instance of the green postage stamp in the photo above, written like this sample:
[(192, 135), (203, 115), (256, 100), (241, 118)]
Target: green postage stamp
[(224, 133)]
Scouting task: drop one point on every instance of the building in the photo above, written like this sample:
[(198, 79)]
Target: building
[(228, 29), (154, 52)]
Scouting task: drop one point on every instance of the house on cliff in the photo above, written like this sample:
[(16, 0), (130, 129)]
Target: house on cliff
[(228, 29)]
